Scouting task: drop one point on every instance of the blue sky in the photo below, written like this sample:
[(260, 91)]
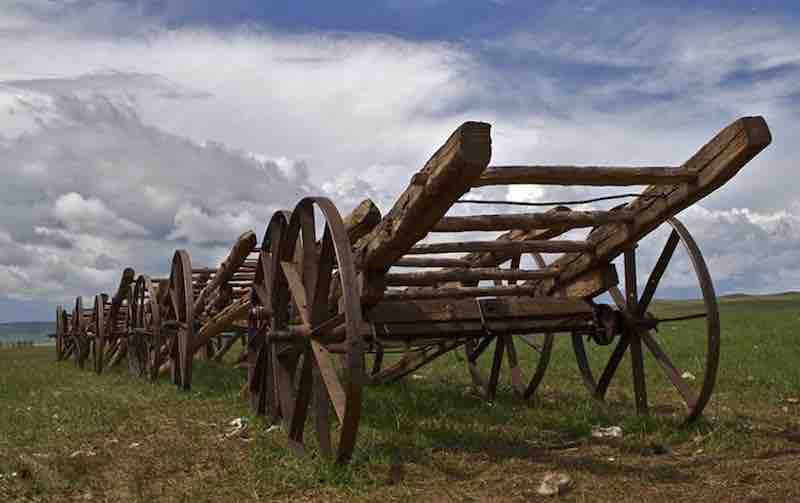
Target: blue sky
[(131, 128)]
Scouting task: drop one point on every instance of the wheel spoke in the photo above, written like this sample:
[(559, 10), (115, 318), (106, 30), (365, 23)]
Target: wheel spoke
[(497, 361), (529, 340), (671, 371), (302, 400), (297, 289), (611, 367), (658, 272), (333, 386), (513, 365), (637, 364)]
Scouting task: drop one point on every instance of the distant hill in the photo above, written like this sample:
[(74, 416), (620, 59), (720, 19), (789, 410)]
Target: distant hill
[(35, 331)]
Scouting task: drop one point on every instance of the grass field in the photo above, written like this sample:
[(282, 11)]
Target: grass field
[(68, 435)]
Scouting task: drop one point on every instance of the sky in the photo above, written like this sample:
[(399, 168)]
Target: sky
[(129, 129)]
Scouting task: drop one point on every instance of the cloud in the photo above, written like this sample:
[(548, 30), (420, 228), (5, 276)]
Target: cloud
[(123, 139)]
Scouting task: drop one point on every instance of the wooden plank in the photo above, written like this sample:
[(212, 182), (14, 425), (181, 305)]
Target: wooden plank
[(426, 278), (463, 292), (507, 247), (714, 164), (528, 221), (236, 257), (440, 310), (449, 173), (584, 175), (431, 262)]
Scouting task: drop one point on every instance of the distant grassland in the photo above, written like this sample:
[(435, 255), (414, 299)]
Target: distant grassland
[(34, 331), (71, 435)]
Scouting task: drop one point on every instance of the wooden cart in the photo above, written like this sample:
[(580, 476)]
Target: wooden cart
[(318, 307)]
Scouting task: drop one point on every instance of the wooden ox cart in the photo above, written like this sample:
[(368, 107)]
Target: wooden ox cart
[(331, 304)]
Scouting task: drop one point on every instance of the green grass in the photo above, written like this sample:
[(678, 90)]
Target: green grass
[(69, 434)]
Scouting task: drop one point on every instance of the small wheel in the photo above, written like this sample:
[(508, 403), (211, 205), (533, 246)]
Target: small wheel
[(137, 341), (182, 300), (533, 349), (99, 318), (79, 339), (694, 375), (316, 287), (61, 324), (146, 322)]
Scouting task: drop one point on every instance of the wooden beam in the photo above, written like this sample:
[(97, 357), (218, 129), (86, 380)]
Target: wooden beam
[(427, 278), (528, 221), (241, 249), (431, 262), (714, 164), (449, 173), (584, 175), (508, 247), (461, 292), (362, 220)]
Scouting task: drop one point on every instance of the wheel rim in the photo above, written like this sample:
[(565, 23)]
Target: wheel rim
[(181, 296), (59, 333), (99, 332), (307, 372), (78, 336), (261, 364), (693, 388)]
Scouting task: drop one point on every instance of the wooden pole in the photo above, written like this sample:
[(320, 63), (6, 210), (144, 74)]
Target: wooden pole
[(584, 175)]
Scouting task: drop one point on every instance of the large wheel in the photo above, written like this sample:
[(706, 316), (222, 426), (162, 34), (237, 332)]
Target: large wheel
[(316, 287), (260, 356), (99, 322), (692, 368), (182, 299), (532, 351)]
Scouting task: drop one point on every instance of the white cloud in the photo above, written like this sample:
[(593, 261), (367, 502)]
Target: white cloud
[(125, 140)]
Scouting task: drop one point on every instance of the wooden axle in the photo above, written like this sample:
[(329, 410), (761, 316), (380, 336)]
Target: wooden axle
[(584, 175)]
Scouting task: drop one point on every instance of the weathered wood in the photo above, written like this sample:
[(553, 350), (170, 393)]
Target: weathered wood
[(528, 221), (452, 170), (461, 292), (714, 164), (507, 247), (419, 332), (362, 220), (432, 262), (241, 249), (584, 175), (426, 278), (440, 310)]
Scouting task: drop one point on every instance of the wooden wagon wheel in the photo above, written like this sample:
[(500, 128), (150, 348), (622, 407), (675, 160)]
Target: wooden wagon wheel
[(261, 363), (79, 339), (138, 349), (99, 322), (61, 323), (536, 348), (306, 371), (146, 323), (182, 299), (693, 388)]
